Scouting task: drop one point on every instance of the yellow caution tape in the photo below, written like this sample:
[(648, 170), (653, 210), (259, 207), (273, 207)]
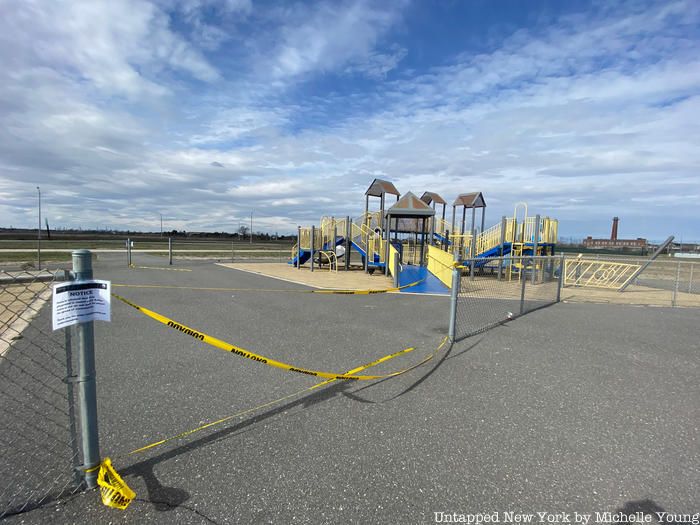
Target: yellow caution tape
[(114, 491), (367, 292), (161, 268), (289, 396), (242, 352), (319, 291)]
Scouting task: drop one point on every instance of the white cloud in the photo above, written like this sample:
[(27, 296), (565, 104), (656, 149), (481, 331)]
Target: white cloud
[(332, 37), (119, 47), (590, 117)]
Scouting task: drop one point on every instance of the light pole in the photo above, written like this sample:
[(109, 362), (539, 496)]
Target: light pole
[(38, 246), (251, 226), (161, 224)]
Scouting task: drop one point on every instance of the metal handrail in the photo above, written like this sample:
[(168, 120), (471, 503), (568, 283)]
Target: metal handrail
[(332, 259)]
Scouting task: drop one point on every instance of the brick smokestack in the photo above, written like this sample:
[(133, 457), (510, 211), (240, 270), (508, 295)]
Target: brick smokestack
[(613, 234)]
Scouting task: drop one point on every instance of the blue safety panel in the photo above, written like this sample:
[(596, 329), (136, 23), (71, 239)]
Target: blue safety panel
[(338, 242), (493, 252), (374, 263), (410, 274), (305, 254), (357, 247), (441, 238)]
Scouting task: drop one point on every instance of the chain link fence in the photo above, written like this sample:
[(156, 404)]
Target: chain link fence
[(179, 252), (489, 292), (38, 444)]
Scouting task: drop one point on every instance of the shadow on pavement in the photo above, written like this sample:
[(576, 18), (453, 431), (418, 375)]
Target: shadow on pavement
[(167, 498)]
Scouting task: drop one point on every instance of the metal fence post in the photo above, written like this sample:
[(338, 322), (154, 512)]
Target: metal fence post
[(472, 254), (454, 294), (535, 243), (561, 277), (298, 247), (675, 287), (87, 393), (523, 279), (348, 240), (170, 251), (313, 242), (395, 270)]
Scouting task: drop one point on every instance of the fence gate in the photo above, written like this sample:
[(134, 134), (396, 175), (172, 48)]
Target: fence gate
[(38, 442)]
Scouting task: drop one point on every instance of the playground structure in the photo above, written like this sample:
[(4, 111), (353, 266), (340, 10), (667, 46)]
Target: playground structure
[(410, 242)]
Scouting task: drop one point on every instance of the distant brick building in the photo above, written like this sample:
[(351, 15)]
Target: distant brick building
[(613, 242)]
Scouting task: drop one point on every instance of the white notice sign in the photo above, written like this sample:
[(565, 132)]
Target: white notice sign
[(80, 302)]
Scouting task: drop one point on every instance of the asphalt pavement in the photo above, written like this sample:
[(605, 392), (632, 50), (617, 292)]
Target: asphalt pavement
[(575, 407)]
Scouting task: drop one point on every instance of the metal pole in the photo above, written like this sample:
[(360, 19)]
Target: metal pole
[(87, 391), (38, 246), (422, 242), (561, 276), (636, 274), (386, 246), (313, 242), (675, 287), (395, 270), (472, 251), (251, 226), (535, 242), (298, 247), (231, 251), (502, 248), (170, 251), (454, 295), (366, 261), (348, 241), (128, 252), (381, 214), (523, 280)]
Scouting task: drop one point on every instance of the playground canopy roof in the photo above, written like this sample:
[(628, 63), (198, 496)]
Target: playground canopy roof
[(410, 206), (380, 187), (429, 197), (470, 200)]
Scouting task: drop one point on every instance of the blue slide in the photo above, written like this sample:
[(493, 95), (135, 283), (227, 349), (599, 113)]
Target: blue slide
[(306, 254)]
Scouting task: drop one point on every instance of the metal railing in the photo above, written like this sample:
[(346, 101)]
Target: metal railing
[(39, 445), (597, 274), (665, 281)]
